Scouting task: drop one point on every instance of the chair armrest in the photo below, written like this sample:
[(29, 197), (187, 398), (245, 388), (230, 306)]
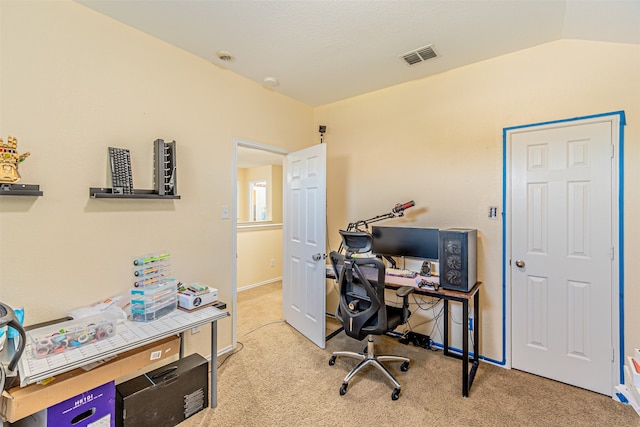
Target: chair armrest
[(404, 291)]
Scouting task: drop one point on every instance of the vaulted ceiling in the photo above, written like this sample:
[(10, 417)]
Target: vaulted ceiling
[(322, 51)]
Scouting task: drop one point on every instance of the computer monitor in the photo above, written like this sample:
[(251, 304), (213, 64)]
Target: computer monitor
[(410, 242)]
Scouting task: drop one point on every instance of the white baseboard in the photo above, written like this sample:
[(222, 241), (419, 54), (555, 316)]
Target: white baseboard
[(255, 285), (222, 352)]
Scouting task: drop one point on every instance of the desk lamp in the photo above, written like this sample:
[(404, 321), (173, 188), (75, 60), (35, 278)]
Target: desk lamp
[(8, 317)]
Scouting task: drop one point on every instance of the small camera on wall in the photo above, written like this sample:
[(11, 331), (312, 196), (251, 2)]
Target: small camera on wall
[(322, 129)]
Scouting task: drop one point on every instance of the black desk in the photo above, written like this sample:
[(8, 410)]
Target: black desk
[(468, 373)]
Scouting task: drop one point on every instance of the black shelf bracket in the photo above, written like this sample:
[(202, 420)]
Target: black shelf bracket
[(107, 193), (20, 190)]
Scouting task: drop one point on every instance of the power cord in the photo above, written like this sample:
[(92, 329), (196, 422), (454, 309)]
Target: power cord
[(237, 350), (262, 326), (436, 324), (410, 336), (471, 316), (430, 305)]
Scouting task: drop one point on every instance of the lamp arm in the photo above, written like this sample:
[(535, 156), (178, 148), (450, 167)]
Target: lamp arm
[(365, 222), (355, 226)]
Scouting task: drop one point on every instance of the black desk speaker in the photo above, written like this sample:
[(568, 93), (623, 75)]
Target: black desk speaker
[(458, 258)]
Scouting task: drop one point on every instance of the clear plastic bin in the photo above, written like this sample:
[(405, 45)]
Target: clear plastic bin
[(72, 334), (151, 304), (151, 270)]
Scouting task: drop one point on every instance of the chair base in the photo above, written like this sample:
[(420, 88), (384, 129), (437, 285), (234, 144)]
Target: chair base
[(370, 358)]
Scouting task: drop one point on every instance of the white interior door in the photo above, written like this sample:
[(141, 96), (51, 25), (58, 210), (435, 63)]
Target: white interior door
[(304, 235), (563, 252)]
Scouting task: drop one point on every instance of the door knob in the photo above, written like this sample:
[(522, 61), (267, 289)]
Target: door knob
[(520, 263), (317, 257)]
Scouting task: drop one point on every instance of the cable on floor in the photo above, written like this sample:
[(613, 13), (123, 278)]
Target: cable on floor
[(237, 350), (262, 326)]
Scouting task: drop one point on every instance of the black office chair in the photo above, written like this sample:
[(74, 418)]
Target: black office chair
[(362, 308)]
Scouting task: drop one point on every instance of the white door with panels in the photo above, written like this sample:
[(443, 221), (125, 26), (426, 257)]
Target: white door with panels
[(562, 221), (304, 242)]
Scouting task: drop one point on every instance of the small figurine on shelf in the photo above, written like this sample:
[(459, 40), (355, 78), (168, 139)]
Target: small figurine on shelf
[(9, 160)]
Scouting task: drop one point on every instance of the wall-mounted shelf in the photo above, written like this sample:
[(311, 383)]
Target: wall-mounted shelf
[(20, 190), (107, 193)]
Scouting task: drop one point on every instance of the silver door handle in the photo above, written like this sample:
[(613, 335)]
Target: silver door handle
[(520, 263), (317, 257)]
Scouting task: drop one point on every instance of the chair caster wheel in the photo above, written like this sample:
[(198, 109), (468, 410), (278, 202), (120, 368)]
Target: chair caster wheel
[(332, 361), (343, 389), (396, 394), (404, 367)]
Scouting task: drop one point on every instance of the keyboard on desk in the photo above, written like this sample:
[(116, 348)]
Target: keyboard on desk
[(401, 273)]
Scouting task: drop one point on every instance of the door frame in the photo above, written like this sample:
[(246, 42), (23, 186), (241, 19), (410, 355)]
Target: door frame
[(239, 142), (618, 122)]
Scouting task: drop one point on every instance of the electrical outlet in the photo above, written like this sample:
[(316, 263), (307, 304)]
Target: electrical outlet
[(224, 212), (195, 330), (273, 263)]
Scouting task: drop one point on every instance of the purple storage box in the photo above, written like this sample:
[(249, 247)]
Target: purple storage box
[(95, 408)]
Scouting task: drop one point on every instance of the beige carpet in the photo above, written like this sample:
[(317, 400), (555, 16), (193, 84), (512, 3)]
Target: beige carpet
[(279, 378)]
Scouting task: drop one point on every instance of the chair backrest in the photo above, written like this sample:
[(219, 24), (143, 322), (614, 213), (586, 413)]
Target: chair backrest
[(356, 242), (362, 308)]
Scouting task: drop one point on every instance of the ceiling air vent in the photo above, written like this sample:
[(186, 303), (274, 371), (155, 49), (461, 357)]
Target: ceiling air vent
[(419, 55)]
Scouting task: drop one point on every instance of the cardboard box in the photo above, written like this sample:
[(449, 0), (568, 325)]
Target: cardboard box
[(95, 408), (20, 402), (190, 302), (165, 396)]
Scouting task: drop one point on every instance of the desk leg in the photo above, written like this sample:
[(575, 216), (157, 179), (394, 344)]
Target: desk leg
[(181, 354), (214, 364), (467, 374), (475, 362), (334, 333), (465, 348), (445, 338), (476, 327)]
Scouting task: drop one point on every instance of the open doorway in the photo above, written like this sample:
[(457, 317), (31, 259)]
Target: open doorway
[(257, 217)]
